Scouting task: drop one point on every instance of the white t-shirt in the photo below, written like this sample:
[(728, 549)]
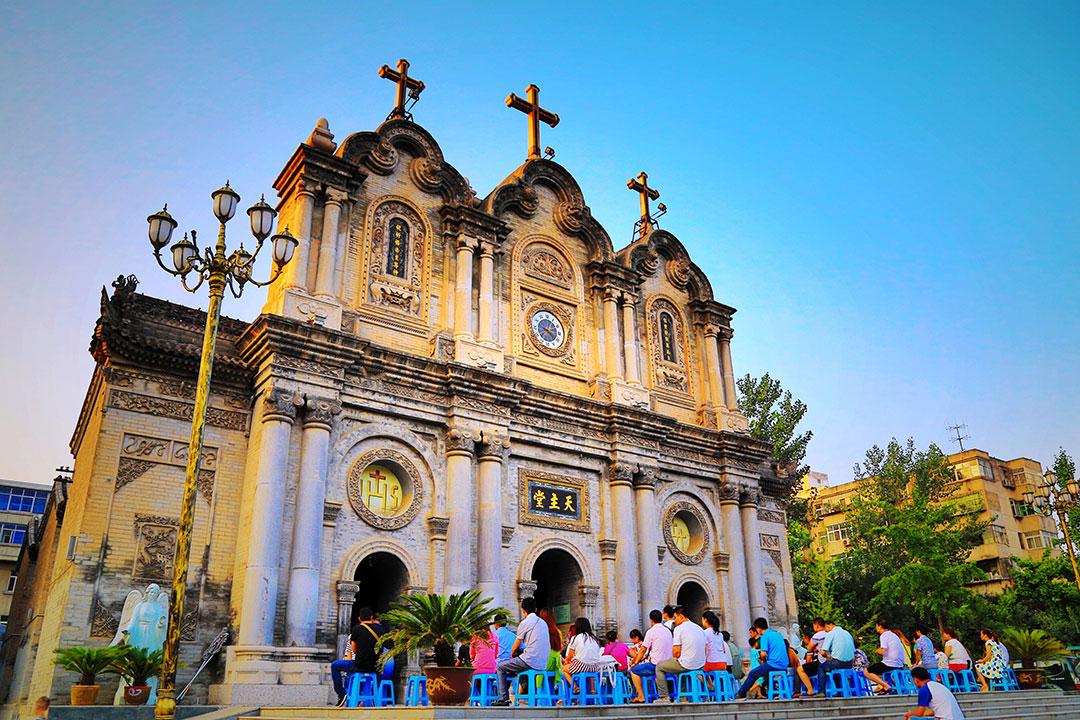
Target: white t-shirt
[(658, 643), (533, 633), (716, 650), (691, 639), (894, 650), (941, 701), (585, 649), (817, 639), (958, 654)]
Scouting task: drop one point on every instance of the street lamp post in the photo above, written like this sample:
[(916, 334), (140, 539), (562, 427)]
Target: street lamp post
[(1048, 498), (218, 270)]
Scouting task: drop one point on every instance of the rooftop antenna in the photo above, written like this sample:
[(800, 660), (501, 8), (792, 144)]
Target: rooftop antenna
[(959, 439)]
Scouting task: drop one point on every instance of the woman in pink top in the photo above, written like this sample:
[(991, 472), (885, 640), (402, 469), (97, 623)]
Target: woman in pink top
[(484, 652), (616, 649)]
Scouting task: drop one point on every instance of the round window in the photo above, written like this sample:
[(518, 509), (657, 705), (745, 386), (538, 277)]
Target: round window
[(381, 490), (384, 489), (686, 533)]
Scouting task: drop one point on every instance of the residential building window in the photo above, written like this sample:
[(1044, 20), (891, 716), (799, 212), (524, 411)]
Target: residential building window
[(1021, 509), (837, 533), (969, 503), (23, 499), (995, 534), (986, 470), (1037, 540), (12, 534), (12, 578)]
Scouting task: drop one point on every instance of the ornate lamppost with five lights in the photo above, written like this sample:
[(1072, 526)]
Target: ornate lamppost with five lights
[(218, 270), (1050, 497)]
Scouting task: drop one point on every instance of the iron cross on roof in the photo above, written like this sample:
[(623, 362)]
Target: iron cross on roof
[(647, 223), (405, 86), (537, 114)]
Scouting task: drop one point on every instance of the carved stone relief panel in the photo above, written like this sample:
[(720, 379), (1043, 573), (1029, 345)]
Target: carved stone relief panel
[(669, 349), (397, 259), (155, 547), (140, 453)]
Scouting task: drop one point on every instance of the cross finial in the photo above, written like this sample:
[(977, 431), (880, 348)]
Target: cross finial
[(537, 114), (640, 184), (405, 86)]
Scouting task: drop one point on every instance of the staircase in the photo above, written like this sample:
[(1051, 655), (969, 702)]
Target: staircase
[(1023, 705)]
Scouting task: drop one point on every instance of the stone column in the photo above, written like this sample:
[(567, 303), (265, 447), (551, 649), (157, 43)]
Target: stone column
[(296, 271), (712, 360), (627, 590), (588, 595), (484, 333), (611, 333), (328, 247), (459, 509), (738, 600), (302, 602), (259, 606), (437, 526), (489, 461), (755, 572), (647, 539), (346, 596), (630, 340), (526, 588), (729, 374), (463, 288)]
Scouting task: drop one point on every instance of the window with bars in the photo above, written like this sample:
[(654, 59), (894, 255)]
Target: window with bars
[(1037, 540), (995, 534), (838, 533), (23, 499), (1021, 509)]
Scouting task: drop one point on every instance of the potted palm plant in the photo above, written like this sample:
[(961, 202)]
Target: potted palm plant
[(436, 621), (88, 663), (137, 665), (1031, 646)]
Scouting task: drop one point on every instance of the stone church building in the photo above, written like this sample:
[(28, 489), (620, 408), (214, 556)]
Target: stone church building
[(445, 391)]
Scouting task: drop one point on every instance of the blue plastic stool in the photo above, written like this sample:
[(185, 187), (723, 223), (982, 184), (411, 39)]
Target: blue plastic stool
[(966, 682), (692, 686), (648, 687), (618, 692), (485, 689), (780, 685), (360, 690), (945, 677), (416, 691), (385, 696), (901, 682), (539, 688), (585, 688), (1014, 682), (1006, 682), (843, 683), (724, 685)]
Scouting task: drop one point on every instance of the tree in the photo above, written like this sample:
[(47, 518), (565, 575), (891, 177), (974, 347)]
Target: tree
[(1065, 470), (909, 534), (774, 416), (1043, 595)]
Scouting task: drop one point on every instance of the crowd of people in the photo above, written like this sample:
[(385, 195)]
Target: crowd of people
[(674, 643)]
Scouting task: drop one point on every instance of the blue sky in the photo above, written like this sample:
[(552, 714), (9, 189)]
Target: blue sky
[(888, 192)]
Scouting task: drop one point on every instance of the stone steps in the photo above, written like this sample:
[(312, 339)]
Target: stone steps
[(1028, 705)]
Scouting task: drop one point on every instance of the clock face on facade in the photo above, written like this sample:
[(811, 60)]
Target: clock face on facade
[(547, 329)]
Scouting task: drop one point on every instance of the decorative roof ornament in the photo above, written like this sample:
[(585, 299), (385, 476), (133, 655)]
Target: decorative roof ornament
[(321, 137), (647, 223), (408, 89), (531, 107)]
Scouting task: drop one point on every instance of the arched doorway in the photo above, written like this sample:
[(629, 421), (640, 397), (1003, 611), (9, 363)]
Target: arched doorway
[(558, 585), (382, 578), (693, 599)]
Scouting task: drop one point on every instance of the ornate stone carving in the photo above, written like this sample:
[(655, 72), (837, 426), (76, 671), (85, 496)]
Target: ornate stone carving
[(775, 555), (131, 469), (189, 626), (204, 483), (770, 541), (723, 561), (645, 478), (526, 588), (670, 375), (770, 593), (750, 496), (661, 551), (406, 471), (678, 271), (460, 440), (321, 410), (155, 547), (493, 443), (507, 534), (590, 594), (645, 260), (564, 313), (386, 290), (310, 366), (571, 217), (560, 486), (771, 516), (608, 548), (437, 526), (346, 592), (281, 403), (620, 473), (543, 263), (124, 400), (699, 541), (103, 624)]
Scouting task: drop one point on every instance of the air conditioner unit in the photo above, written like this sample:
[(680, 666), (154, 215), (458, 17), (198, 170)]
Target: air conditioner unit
[(73, 543)]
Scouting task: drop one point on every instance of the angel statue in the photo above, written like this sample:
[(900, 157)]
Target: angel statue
[(143, 623), (795, 638)]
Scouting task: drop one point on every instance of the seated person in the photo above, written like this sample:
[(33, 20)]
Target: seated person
[(688, 652), (616, 649), (535, 645), (935, 700), (655, 648), (363, 645), (772, 651)]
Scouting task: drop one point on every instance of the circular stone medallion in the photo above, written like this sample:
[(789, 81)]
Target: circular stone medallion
[(686, 532), (384, 489)]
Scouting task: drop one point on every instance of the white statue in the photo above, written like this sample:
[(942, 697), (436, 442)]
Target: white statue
[(143, 623), (795, 638)]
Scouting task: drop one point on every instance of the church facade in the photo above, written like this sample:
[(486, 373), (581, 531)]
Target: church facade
[(445, 391)]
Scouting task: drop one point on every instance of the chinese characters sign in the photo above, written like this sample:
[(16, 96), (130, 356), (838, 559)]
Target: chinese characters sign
[(553, 501)]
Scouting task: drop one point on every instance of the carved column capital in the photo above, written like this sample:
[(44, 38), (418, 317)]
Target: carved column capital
[(492, 444), (620, 473), (710, 330), (590, 594), (750, 497), (729, 493), (334, 196), (645, 479), (281, 404), (464, 243), (486, 249), (526, 588), (723, 561), (612, 294), (437, 526), (628, 298), (608, 548), (726, 334), (460, 441), (308, 186), (346, 592), (320, 411)]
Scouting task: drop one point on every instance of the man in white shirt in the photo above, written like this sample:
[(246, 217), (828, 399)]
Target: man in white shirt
[(935, 700), (656, 646), (688, 653), (533, 641), (892, 655), (669, 617), (814, 660)]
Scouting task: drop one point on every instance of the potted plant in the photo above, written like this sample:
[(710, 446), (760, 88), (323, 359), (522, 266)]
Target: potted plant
[(436, 621), (137, 665), (89, 663), (1031, 646)]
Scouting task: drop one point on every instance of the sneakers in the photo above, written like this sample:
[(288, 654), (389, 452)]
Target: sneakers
[(662, 700), (500, 703), (341, 701)]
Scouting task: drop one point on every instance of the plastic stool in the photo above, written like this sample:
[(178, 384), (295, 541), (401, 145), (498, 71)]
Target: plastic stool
[(901, 682), (1014, 682), (360, 690), (1006, 682), (416, 691), (966, 682), (648, 688), (485, 689), (585, 688), (385, 696), (618, 692), (945, 677), (843, 683), (539, 688), (780, 685), (692, 686), (724, 685)]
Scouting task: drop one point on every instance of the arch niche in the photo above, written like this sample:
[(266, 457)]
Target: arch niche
[(559, 578)]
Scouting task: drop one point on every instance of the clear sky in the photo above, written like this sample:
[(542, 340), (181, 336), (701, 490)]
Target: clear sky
[(888, 192)]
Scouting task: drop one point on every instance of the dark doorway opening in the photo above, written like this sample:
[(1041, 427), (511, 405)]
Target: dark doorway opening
[(694, 600), (382, 578), (558, 584)]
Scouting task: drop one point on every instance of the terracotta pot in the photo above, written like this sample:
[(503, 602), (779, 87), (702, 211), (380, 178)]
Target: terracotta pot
[(136, 694), (1030, 678), (84, 694), (448, 685)]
